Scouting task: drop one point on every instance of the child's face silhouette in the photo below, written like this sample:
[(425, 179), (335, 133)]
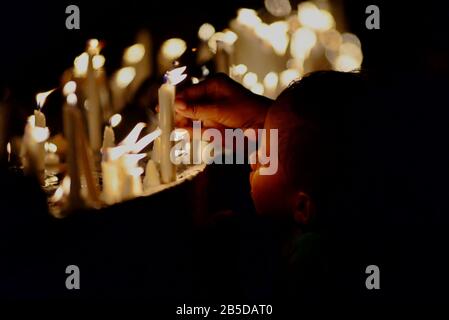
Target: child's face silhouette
[(272, 194)]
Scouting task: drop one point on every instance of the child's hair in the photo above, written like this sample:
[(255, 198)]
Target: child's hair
[(320, 154)]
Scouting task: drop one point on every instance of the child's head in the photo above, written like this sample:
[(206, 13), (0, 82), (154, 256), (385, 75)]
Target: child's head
[(313, 117)]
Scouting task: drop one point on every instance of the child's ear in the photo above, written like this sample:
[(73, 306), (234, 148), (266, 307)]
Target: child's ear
[(303, 207)]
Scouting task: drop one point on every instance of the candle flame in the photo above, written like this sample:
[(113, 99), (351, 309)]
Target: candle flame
[(40, 134), (125, 76), (50, 147), (93, 46), (80, 65), (8, 148), (69, 87), (42, 97), (115, 120), (176, 76), (134, 54), (63, 189), (248, 17)]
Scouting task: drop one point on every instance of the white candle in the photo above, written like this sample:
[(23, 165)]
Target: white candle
[(152, 178), (69, 110), (132, 186), (111, 181), (166, 123), (93, 101), (108, 138)]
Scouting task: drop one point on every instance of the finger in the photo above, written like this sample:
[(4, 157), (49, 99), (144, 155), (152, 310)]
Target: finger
[(199, 111), (214, 87)]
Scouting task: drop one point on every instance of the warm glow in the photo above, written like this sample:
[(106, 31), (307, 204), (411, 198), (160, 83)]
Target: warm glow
[(176, 76), (309, 15), (239, 70), (125, 76), (173, 48), (98, 61), (93, 46), (72, 99), (80, 65), (351, 38), (352, 50), (40, 134), (63, 189), (331, 39), (195, 80), (31, 121), (134, 54), (271, 80), (278, 37), (206, 31), (50, 147), (248, 17), (288, 76), (8, 147), (115, 120), (303, 40), (69, 87), (230, 37), (257, 88), (346, 63), (250, 79), (41, 97)]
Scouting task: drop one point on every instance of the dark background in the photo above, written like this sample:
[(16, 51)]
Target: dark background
[(409, 53)]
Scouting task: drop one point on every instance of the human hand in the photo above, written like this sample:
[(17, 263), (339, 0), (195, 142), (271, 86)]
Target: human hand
[(219, 101)]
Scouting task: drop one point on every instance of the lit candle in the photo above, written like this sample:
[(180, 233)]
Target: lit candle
[(33, 140), (93, 99), (108, 134), (166, 122), (69, 109)]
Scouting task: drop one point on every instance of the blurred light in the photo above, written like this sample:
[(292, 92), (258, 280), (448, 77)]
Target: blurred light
[(173, 48), (331, 39), (69, 87), (278, 37), (195, 80), (115, 120), (346, 63), (351, 38), (303, 40), (278, 8), (257, 88), (250, 79), (271, 80), (311, 16), (248, 17), (239, 70), (229, 37), (288, 76), (352, 50), (80, 65), (72, 99), (134, 54), (50, 147), (206, 31), (98, 61), (125, 76), (40, 134)]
